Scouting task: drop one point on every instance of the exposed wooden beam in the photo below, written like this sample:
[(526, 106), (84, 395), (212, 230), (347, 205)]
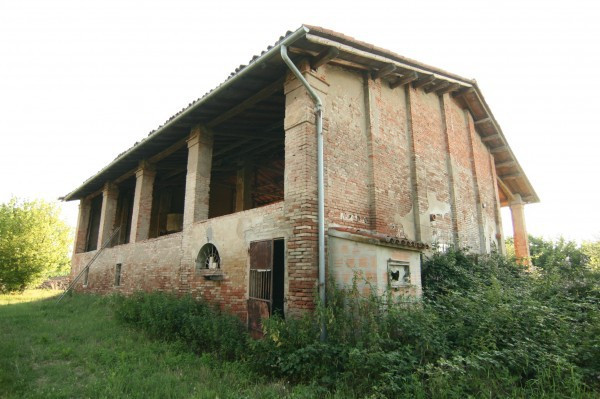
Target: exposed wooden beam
[(423, 81), (448, 89), (239, 154), (404, 80), (496, 150), (168, 151), (230, 147), (510, 176), (324, 57), (483, 121), (505, 164), (437, 86), (249, 102), (249, 135), (509, 194), (385, 71), (491, 137)]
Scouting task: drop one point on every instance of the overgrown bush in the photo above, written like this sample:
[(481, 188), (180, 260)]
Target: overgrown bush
[(484, 328), (203, 327)]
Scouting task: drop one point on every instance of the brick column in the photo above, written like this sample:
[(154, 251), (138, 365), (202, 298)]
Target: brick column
[(83, 221), (300, 206), (142, 202), (110, 196), (517, 210), (197, 183)]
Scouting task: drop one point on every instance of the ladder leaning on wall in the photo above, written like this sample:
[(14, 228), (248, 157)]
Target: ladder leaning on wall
[(96, 255)]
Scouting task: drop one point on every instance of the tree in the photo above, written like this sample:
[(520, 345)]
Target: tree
[(592, 250), (34, 243)]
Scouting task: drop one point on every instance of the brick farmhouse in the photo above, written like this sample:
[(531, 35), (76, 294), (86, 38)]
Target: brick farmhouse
[(221, 201)]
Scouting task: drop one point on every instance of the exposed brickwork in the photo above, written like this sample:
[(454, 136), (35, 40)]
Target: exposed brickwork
[(432, 177), (466, 202), (300, 187), (400, 162)]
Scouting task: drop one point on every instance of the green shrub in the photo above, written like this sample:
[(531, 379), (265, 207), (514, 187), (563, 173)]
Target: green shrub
[(484, 328), (203, 327)]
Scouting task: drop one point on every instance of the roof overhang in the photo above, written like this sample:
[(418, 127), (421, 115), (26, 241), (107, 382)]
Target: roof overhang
[(320, 45)]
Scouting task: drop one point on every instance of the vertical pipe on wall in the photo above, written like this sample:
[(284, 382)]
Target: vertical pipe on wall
[(320, 180)]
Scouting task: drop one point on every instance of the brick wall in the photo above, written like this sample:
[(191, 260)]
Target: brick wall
[(168, 263)]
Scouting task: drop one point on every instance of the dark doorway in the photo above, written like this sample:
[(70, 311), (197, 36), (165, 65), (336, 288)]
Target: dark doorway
[(278, 277), (94, 224)]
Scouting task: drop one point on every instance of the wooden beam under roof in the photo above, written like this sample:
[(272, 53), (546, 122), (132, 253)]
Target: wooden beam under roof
[(385, 71), (425, 80), (437, 86), (509, 194), (496, 150), (483, 121), (510, 176), (452, 87), (505, 164), (247, 103), (324, 57), (491, 137), (404, 80)]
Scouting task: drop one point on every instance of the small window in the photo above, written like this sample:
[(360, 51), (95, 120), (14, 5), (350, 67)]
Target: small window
[(208, 258), (86, 275), (398, 273), (118, 275)]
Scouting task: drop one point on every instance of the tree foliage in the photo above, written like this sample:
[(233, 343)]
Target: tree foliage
[(34, 243)]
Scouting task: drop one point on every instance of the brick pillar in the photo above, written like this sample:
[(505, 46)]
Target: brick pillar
[(197, 183), (517, 210), (142, 202), (110, 196), (300, 206), (243, 187), (83, 221)]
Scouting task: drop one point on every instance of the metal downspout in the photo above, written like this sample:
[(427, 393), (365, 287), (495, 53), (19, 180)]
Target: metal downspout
[(320, 180)]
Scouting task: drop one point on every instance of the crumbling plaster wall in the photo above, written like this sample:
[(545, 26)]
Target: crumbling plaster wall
[(365, 265)]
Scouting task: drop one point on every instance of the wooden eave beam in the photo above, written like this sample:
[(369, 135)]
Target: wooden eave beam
[(491, 137), (324, 57), (496, 150), (483, 121), (509, 194), (168, 151), (249, 102), (448, 89), (423, 81), (436, 86), (404, 80), (385, 71), (510, 176), (505, 164)]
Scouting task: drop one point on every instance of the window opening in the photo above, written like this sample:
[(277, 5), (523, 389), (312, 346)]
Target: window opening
[(86, 276), (208, 258), (398, 273)]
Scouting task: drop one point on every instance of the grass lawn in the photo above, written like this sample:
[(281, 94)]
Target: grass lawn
[(77, 350)]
